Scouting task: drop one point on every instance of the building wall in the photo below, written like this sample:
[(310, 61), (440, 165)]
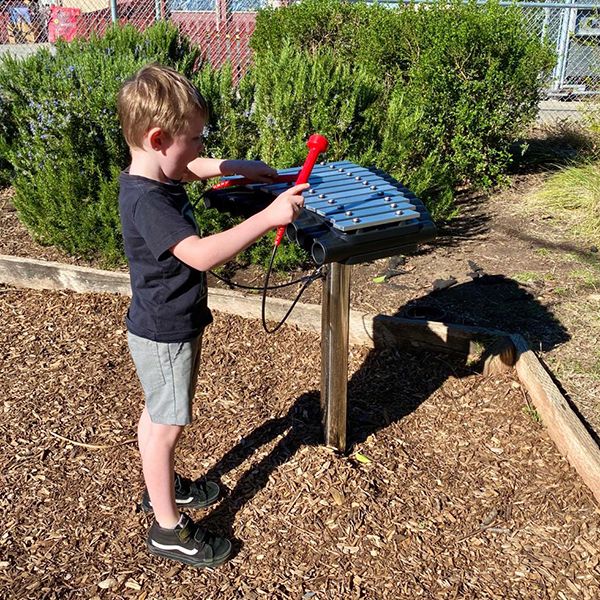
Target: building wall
[(86, 5)]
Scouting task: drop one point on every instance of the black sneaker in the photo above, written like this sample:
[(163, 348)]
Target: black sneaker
[(189, 544), (189, 494)]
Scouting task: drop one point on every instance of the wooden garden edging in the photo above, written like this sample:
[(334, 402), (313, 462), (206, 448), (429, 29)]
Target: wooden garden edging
[(495, 350)]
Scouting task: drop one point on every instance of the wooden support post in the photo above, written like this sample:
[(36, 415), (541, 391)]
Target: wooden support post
[(335, 311)]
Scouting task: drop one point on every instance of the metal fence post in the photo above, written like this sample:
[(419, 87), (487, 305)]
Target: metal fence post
[(113, 11), (562, 50)]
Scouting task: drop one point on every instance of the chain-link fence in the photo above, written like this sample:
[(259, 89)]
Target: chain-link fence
[(223, 28), (572, 91)]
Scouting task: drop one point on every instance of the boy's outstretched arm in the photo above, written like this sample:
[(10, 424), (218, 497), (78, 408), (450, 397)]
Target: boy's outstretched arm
[(206, 168), (206, 253)]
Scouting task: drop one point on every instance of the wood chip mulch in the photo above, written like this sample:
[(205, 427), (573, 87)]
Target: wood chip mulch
[(451, 488)]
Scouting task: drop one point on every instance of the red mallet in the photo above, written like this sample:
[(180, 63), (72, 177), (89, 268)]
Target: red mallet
[(316, 145)]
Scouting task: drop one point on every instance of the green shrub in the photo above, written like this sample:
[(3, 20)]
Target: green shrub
[(296, 95), (361, 34), (476, 72), (62, 137), (434, 96), (232, 134), (229, 132), (440, 95), (6, 131)]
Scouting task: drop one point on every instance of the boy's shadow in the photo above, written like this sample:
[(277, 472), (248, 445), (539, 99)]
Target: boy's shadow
[(390, 384)]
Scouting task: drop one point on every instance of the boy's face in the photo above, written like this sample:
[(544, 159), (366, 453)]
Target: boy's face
[(182, 149)]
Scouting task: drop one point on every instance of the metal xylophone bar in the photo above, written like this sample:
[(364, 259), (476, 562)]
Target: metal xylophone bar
[(353, 197), (352, 215)]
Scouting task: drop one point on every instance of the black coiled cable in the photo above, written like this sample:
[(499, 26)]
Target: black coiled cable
[(307, 281)]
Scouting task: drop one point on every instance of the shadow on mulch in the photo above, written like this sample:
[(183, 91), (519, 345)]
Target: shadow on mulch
[(498, 302), (377, 397), (492, 301), (377, 392), (470, 222)]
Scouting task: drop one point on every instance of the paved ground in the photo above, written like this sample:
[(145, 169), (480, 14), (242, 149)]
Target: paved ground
[(552, 111), (21, 49)]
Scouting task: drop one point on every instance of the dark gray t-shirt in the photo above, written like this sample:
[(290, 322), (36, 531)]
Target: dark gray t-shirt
[(169, 298)]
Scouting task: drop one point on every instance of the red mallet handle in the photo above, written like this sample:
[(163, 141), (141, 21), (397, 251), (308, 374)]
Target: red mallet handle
[(246, 180), (316, 145)]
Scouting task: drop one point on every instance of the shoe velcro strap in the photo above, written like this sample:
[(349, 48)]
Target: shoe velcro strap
[(205, 543)]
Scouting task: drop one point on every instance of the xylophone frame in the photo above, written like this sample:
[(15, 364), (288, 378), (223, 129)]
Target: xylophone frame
[(333, 251)]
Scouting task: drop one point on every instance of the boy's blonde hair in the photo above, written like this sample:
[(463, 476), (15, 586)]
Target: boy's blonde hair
[(157, 96)]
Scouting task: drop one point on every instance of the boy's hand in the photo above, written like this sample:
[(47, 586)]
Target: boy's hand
[(253, 169), (286, 207)]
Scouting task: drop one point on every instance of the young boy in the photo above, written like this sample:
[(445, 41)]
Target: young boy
[(163, 117)]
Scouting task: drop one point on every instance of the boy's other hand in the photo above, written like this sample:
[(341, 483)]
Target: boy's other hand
[(287, 206), (253, 169)]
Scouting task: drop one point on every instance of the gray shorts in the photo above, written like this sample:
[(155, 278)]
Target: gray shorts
[(168, 374)]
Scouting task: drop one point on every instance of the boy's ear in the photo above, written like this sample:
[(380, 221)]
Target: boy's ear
[(157, 138)]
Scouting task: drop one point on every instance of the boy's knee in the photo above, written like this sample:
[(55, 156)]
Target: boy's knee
[(167, 434)]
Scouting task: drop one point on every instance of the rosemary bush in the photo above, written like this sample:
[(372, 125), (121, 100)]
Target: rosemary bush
[(61, 134)]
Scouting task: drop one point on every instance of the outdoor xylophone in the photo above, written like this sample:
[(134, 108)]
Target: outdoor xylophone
[(351, 215)]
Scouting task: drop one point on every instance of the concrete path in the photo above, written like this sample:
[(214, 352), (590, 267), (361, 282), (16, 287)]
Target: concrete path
[(22, 50)]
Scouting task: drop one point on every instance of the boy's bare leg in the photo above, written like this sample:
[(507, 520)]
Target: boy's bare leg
[(143, 431), (157, 448)]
